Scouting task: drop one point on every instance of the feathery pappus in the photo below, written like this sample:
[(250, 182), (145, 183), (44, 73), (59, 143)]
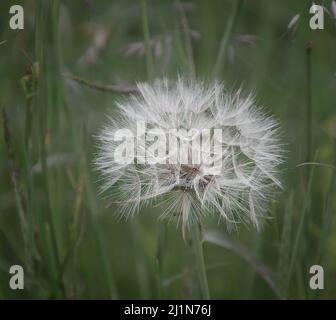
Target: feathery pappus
[(193, 149)]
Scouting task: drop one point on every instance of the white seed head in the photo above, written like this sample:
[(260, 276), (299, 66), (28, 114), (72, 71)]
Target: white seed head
[(234, 181)]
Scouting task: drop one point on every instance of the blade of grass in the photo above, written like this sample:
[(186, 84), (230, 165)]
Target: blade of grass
[(146, 35), (309, 101), (102, 87), (218, 238), (284, 251), (94, 212), (29, 84), (48, 102), (187, 39), (179, 48), (300, 229), (17, 186), (327, 215), (222, 52)]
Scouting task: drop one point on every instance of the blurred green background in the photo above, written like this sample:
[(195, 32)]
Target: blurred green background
[(52, 220)]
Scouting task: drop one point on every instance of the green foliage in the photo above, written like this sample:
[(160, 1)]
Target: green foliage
[(52, 219)]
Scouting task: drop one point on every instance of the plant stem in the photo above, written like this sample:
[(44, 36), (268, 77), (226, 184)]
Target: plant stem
[(114, 88), (220, 60), (187, 39), (145, 29), (200, 266), (328, 215), (161, 235), (48, 97), (17, 184), (28, 125), (300, 229), (309, 102)]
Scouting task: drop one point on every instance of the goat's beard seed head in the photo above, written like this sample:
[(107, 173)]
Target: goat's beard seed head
[(237, 188)]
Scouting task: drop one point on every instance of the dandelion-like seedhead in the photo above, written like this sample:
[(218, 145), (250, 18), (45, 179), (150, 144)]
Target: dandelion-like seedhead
[(225, 162)]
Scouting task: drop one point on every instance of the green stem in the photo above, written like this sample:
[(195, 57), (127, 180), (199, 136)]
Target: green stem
[(28, 121), (309, 102), (148, 51), (161, 235), (97, 231), (114, 88), (302, 222), (47, 108), (141, 262), (220, 60), (200, 266), (187, 39), (328, 215)]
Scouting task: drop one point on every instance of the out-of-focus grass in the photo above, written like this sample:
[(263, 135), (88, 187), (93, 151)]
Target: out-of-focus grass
[(71, 246)]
